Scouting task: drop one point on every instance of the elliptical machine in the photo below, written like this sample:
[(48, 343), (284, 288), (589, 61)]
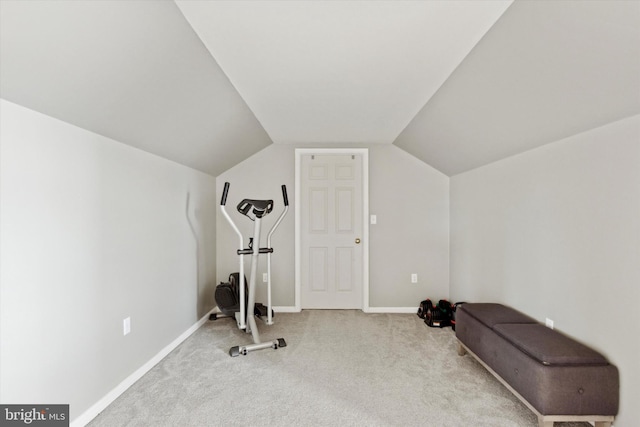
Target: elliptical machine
[(255, 210)]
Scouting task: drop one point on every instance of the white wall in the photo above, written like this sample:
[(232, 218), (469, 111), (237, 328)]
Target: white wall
[(411, 202), (555, 232), (410, 199), (93, 231)]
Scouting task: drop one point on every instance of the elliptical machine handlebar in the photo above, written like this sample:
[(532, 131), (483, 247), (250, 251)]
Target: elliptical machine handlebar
[(225, 192), (261, 208), (275, 225)]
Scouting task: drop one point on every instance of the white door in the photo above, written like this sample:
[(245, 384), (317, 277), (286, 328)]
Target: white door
[(331, 230)]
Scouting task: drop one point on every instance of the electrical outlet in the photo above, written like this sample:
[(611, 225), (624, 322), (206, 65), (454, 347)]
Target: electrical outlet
[(265, 279), (126, 326), (549, 323), (414, 277)]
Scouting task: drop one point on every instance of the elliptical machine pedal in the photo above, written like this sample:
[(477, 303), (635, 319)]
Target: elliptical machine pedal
[(245, 349), (260, 310)]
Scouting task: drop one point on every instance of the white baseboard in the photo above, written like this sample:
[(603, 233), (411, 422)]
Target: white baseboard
[(110, 397), (286, 309), (412, 310)]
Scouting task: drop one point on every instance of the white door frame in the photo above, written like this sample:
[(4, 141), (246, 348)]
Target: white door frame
[(365, 218)]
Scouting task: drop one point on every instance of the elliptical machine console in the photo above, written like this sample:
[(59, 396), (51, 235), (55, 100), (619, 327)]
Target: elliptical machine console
[(237, 297)]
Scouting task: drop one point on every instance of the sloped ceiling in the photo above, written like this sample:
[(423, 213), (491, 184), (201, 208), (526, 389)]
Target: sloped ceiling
[(339, 71), (208, 83), (133, 71), (546, 70)]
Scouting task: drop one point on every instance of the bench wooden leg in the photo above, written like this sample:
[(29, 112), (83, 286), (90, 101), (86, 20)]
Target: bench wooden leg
[(461, 350), (546, 423)]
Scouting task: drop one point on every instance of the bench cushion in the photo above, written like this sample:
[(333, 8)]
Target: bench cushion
[(549, 346), (491, 314)]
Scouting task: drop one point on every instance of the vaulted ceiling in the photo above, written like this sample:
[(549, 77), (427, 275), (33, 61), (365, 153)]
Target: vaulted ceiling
[(339, 71), (458, 84)]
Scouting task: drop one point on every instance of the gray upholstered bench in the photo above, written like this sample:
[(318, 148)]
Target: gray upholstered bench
[(558, 378)]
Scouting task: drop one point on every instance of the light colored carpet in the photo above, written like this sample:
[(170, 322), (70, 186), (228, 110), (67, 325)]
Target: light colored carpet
[(340, 368)]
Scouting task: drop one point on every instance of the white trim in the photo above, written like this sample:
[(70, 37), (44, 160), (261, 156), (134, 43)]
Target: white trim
[(365, 230), (412, 310), (299, 152), (404, 310), (286, 309), (297, 243), (110, 397)]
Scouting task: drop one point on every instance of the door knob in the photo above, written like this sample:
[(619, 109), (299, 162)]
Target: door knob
[(357, 241)]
